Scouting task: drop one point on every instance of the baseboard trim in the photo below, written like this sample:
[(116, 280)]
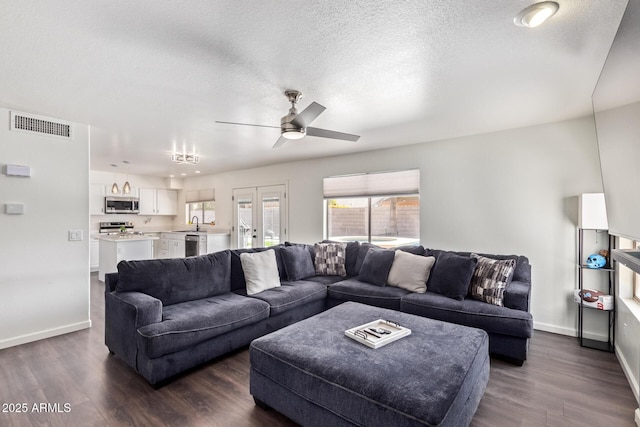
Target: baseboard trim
[(554, 329), (570, 332), (40, 335)]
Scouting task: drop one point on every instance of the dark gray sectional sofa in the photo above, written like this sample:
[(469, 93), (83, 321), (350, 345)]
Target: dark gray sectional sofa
[(163, 317)]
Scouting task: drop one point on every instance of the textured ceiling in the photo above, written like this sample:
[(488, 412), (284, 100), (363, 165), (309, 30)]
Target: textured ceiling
[(150, 75)]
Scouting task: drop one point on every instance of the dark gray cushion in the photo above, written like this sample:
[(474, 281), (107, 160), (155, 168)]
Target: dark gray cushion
[(522, 272), (376, 266), (353, 289), (178, 279), (192, 322), (451, 275), (325, 280), (470, 312), (297, 262), (292, 294), (412, 249), (362, 252)]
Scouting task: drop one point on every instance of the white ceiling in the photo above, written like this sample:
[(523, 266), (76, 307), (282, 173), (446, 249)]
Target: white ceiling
[(151, 75)]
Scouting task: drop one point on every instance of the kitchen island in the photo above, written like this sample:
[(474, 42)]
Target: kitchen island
[(114, 248)]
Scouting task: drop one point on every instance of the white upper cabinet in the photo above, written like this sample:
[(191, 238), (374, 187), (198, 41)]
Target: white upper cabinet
[(158, 201), (97, 192)]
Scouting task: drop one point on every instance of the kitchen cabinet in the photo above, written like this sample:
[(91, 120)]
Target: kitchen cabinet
[(97, 192), (172, 245), (158, 201)]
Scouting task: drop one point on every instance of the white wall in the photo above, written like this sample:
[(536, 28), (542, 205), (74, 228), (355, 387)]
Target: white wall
[(44, 278), (507, 192)]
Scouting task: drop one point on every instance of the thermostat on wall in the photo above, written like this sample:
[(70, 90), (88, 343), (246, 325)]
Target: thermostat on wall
[(14, 208), (17, 170)]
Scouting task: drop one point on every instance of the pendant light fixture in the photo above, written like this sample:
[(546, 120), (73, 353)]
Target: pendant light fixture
[(114, 188)]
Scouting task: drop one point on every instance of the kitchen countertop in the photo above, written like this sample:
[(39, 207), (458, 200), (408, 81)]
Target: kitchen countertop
[(125, 237), (210, 232)]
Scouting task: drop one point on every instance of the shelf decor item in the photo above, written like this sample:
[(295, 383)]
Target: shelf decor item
[(596, 261)]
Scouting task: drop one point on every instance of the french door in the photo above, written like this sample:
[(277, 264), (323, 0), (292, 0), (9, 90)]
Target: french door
[(259, 216)]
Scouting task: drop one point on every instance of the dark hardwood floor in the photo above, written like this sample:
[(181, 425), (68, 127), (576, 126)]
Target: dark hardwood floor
[(560, 385)]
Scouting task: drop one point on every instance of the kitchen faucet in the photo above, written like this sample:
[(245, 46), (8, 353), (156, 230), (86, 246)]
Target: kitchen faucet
[(197, 226)]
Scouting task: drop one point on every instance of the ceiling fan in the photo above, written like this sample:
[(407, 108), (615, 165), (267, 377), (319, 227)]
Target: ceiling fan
[(294, 124)]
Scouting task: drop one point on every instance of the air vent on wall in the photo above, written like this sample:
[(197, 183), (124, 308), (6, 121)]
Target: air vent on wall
[(25, 122)]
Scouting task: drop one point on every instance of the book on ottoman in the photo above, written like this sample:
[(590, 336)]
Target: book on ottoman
[(377, 333)]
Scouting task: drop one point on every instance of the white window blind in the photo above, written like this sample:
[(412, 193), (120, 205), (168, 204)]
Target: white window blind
[(195, 196), (372, 184)]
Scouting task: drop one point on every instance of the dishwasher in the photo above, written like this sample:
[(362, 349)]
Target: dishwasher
[(191, 245)]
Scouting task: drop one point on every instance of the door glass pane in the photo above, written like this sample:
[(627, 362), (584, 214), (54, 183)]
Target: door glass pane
[(271, 220), (348, 219), (245, 223)]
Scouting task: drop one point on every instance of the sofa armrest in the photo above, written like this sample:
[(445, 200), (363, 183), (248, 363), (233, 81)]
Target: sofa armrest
[(517, 295), (125, 312)]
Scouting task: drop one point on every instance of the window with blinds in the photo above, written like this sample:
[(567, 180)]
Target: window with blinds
[(200, 204), (381, 208)]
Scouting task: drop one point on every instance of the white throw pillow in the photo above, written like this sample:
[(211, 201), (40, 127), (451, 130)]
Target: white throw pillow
[(410, 272), (260, 271)]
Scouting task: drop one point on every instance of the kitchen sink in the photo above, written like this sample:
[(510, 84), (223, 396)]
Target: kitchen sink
[(189, 231)]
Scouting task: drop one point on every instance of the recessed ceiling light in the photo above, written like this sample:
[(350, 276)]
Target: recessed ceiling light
[(171, 176), (197, 171), (183, 174), (536, 14)]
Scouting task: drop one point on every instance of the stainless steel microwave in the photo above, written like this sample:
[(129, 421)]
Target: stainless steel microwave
[(121, 205)]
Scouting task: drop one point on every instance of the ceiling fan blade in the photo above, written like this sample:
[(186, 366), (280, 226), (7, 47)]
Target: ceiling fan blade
[(308, 115), (247, 124), (280, 142), (324, 133)]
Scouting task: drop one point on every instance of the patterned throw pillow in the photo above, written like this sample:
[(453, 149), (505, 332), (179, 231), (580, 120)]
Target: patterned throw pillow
[(490, 278), (330, 259)]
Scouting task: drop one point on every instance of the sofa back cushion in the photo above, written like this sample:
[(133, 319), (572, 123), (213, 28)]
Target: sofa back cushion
[(297, 262), (451, 275), (178, 279), (376, 266), (522, 272)]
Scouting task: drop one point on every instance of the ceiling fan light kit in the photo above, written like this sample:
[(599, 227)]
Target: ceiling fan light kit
[(294, 124), (536, 14)]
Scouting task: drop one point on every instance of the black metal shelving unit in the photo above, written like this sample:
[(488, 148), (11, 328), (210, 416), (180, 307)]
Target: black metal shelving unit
[(608, 269)]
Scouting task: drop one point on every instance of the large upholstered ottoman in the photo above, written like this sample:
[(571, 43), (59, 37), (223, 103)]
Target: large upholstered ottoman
[(315, 375)]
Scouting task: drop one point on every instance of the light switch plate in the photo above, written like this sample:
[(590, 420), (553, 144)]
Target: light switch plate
[(18, 170), (14, 208), (75, 235)]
